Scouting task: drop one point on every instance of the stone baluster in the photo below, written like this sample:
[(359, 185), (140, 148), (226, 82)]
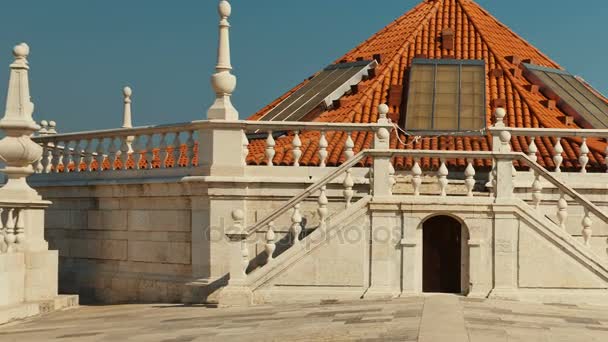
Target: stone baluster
[(271, 245), (68, 156), (297, 149), (163, 151), (392, 180), (126, 147), (583, 159), (587, 231), (349, 145), (139, 153), (175, 149), (562, 211), (296, 224), (245, 147), (469, 173), (532, 151), (322, 210), (19, 229), (537, 188), (150, 151), (9, 229), (57, 155), (100, 151), (79, 153), (348, 184), (558, 159), (47, 157), (270, 152), (416, 177), (88, 155), (38, 167), (442, 175), (190, 148), (323, 149), (113, 153)]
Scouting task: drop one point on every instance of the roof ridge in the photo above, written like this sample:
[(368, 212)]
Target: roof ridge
[(508, 28)]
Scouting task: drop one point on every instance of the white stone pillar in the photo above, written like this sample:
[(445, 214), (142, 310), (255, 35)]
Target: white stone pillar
[(506, 237), (127, 121), (503, 166), (31, 264), (237, 293), (385, 259), (17, 150), (381, 168), (220, 147), (223, 81)]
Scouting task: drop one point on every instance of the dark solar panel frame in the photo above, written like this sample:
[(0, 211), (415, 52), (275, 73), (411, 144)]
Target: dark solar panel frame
[(572, 96), (315, 92)]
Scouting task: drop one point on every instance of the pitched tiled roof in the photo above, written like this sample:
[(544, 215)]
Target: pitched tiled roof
[(478, 35)]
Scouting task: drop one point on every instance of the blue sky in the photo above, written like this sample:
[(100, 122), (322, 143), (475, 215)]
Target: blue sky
[(84, 52)]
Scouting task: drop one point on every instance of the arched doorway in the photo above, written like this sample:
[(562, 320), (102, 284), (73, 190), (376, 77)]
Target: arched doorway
[(441, 255)]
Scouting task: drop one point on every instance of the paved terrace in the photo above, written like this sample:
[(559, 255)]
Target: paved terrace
[(433, 318)]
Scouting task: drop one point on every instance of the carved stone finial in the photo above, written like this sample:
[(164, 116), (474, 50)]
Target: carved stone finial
[(223, 82), (17, 150), (500, 114), (21, 51), (52, 127), (383, 110)]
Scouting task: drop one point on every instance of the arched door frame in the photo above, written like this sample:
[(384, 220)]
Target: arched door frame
[(412, 245)]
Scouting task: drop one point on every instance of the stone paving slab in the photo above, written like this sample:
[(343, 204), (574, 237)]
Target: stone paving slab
[(431, 318)]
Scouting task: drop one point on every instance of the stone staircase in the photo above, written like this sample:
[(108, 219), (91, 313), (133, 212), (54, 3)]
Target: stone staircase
[(315, 264)]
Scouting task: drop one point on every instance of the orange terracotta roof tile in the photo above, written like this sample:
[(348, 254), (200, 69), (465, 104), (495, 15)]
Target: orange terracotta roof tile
[(476, 35)]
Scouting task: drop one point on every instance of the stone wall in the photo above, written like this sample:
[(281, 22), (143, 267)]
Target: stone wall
[(121, 243), (148, 240)]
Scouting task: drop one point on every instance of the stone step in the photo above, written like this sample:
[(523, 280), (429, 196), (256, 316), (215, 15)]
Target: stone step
[(11, 313)]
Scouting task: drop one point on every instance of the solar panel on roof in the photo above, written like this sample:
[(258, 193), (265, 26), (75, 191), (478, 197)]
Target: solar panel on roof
[(572, 96), (327, 86)]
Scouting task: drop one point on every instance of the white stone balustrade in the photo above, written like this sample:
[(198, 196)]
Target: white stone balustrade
[(153, 147), (296, 133), (554, 138)]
